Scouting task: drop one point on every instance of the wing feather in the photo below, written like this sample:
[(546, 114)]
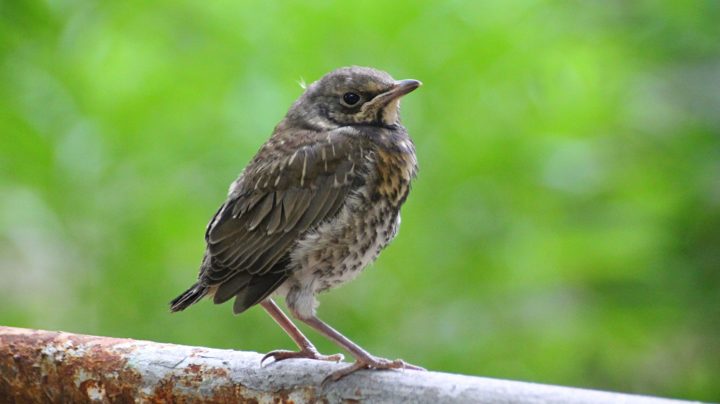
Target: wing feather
[(250, 238), (300, 205), (324, 196), (261, 211), (275, 219)]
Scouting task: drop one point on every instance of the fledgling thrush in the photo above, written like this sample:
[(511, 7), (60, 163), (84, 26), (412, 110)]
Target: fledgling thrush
[(316, 204)]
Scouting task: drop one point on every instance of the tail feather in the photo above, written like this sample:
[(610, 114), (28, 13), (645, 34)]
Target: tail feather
[(189, 297)]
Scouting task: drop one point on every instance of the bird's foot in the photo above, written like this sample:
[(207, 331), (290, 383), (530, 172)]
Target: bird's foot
[(370, 363), (281, 355)]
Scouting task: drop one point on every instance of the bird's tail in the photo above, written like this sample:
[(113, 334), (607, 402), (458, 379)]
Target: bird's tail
[(190, 296)]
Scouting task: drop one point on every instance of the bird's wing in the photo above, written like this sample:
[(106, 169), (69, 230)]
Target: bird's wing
[(286, 190)]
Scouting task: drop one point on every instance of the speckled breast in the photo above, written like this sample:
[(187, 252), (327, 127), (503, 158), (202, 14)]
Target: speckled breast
[(337, 251), (370, 233)]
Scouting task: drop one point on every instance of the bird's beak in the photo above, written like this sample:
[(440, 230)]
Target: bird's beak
[(402, 87)]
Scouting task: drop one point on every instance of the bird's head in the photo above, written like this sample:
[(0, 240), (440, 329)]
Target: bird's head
[(352, 96)]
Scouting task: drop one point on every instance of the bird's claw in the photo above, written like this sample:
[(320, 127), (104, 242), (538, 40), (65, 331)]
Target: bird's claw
[(369, 363), (281, 355)]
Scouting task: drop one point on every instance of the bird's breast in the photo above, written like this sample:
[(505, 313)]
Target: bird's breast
[(396, 168), (337, 251)]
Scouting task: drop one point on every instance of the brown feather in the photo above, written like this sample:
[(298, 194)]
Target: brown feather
[(275, 220), (260, 211), (231, 287), (251, 237), (300, 205)]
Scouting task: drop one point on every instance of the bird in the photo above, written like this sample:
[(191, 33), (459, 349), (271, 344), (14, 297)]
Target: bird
[(315, 206)]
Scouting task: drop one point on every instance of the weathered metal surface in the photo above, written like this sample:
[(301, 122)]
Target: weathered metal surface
[(43, 366)]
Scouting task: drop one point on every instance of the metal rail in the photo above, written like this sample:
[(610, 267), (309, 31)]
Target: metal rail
[(46, 366)]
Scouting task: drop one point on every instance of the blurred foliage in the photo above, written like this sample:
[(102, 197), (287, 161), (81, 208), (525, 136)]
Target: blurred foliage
[(565, 226)]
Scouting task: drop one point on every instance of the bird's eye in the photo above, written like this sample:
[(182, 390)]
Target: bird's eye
[(351, 99)]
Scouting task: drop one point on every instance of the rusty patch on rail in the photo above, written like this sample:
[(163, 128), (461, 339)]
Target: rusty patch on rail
[(41, 366), (44, 366), (183, 387), (185, 383)]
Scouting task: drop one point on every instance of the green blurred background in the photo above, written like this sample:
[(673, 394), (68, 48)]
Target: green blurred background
[(565, 226)]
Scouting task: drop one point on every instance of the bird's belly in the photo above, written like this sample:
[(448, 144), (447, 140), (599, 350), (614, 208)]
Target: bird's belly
[(339, 250)]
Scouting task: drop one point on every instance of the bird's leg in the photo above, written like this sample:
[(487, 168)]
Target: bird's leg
[(363, 359), (307, 349)]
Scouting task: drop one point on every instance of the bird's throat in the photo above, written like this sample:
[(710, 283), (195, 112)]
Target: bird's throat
[(391, 112)]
